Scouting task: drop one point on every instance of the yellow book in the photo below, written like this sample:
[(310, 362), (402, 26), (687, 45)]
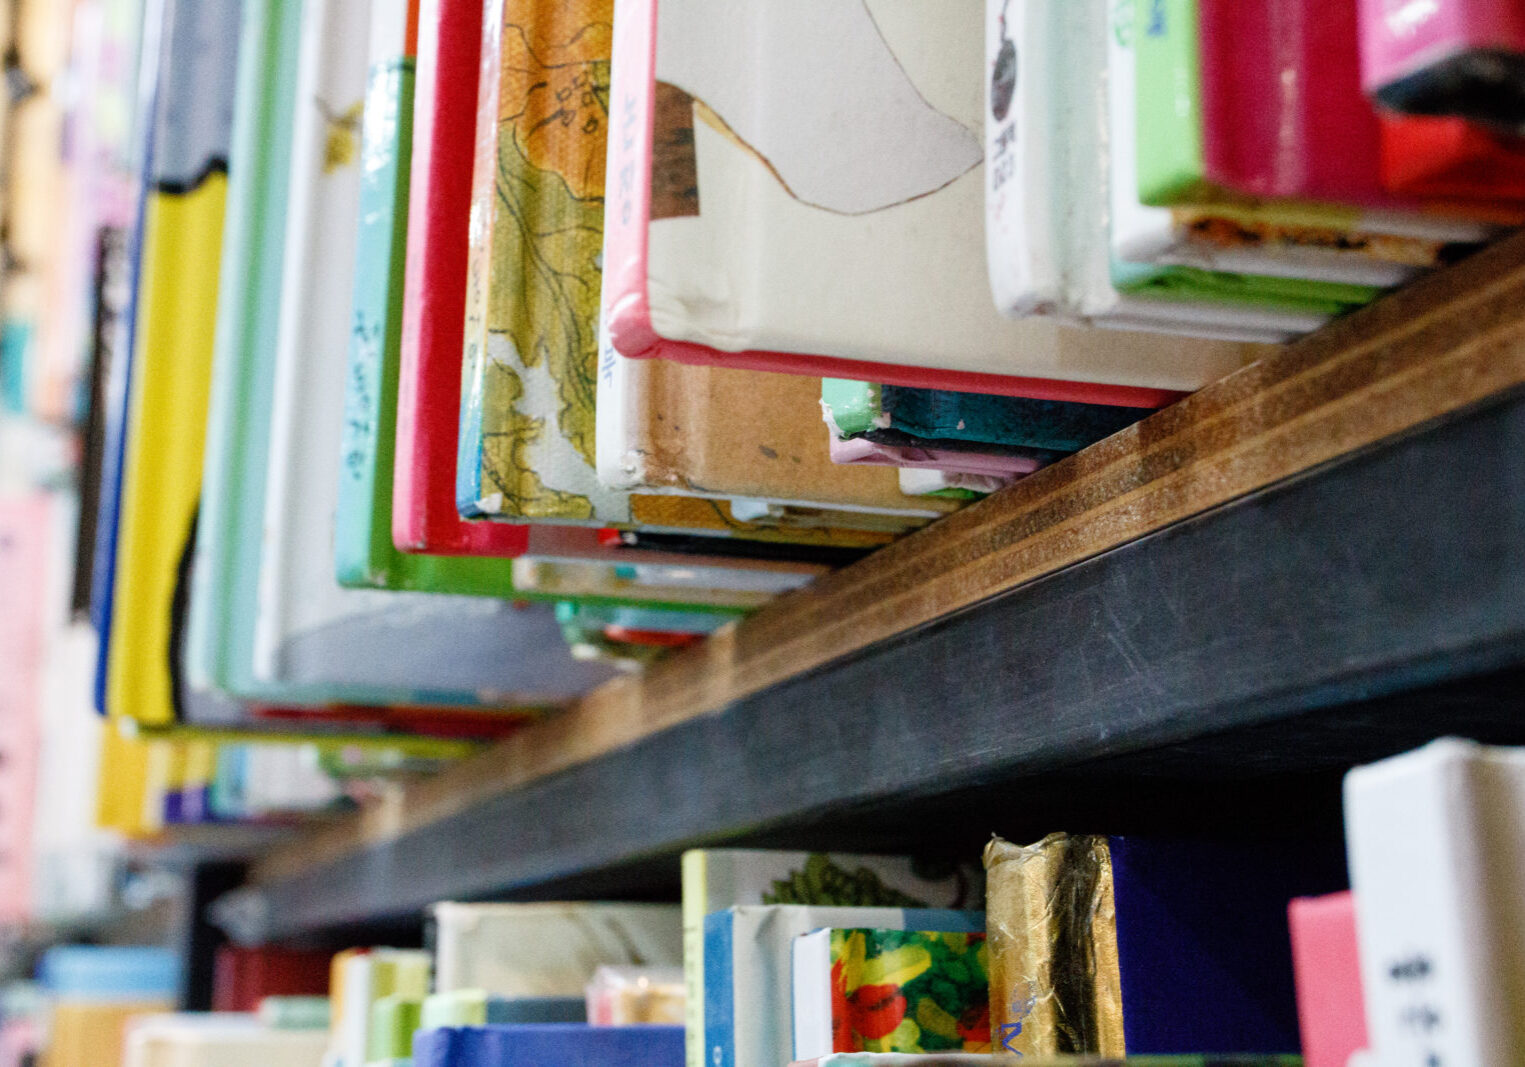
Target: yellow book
[(172, 359)]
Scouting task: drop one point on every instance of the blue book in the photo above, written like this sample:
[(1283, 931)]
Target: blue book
[(549, 1045), (748, 972), (1203, 946)]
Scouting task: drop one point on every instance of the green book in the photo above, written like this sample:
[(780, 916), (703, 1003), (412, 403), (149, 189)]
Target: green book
[(364, 554)]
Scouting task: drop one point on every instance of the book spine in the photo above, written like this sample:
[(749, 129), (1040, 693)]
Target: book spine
[(362, 522), (1170, 159), (627, 306), (434, 302), (469, 459), (719, 990), (695, 898), (622, 396), (1330, 1004)]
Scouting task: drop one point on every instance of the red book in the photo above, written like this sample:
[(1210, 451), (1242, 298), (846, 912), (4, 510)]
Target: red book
[(1452, 159), (1331, 1011), (242, 977), (1283, 111), (424, 516)]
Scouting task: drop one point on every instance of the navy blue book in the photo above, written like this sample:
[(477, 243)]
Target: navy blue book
[(549, 1045)]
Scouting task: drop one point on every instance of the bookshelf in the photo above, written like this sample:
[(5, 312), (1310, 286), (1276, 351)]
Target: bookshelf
[(1209, 615)]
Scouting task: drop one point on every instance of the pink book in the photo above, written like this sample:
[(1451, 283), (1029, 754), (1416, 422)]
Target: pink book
[(424, 516), (1331, 1011), (26, 529), (1446, 57), (749, 225), (858, 450), (1284, 115)]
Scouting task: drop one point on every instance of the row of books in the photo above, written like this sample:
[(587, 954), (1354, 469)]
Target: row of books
[(1160, 951)]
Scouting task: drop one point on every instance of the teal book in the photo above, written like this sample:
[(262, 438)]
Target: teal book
[(936, 418), (364, 553), (224, 581)]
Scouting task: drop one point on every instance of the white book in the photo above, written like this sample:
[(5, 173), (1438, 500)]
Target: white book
[(548, 950), (840, 209), (220, 1039), (366, 978), (1436, 841)]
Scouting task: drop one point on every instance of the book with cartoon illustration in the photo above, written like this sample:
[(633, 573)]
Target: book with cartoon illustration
[(799, 187)]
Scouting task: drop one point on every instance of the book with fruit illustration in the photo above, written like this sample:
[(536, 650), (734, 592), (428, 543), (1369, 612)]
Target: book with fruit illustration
[(866, 990)]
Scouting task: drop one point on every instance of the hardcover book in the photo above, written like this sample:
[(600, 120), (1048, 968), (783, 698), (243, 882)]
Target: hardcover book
[(931, 418), (1448, 57), (1330, 1003), (751, 228), (722, 433), (172, 357), (365, 556), (1049, 222), (541, 1046), (321, 641), (219, 1039), (424, 518), (890, 991), (748, 1012), (1452, 158), (546, 950), (1436, 840), (1105, 945), (716, 879)]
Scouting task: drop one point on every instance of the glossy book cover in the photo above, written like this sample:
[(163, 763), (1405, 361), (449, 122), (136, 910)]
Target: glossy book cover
[(750, 228)]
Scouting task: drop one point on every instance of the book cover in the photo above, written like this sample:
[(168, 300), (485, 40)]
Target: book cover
[(1056, 132), (933, 418), (539, 1046), (1451, 158), (546, 950), (748, 1014), (220, 632), (533, 275), (242, 977), (1101, 945), (1449, 57), (653, 585), (766, 237), (365, 555), (224, 1039), (716, 879), (312, 638), (477, 1007), (868, 990), (721, 433), (861, 450), (175, 319), (1435, 845), (1327, 963), (1216, 229), (424, 517)]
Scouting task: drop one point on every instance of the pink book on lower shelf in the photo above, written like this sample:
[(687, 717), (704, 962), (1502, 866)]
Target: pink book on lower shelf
[(1331, 1012), (798, 187)]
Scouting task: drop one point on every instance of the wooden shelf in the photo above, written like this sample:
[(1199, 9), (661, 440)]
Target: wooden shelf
[(1210, 594)]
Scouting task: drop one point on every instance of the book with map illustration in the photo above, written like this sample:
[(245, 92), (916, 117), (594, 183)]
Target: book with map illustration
[(750, 226)]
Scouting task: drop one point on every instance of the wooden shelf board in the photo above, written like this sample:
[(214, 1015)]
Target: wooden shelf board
[(1430, 351)]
